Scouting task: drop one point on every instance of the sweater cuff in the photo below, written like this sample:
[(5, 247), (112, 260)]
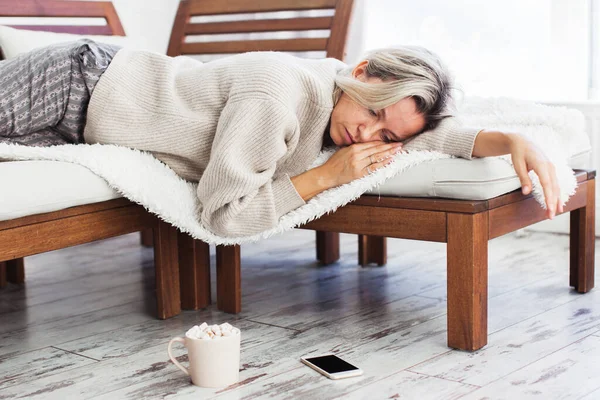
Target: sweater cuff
[(465, 142), (285, 196)]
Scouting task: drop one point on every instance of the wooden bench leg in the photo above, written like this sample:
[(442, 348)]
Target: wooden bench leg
[(467, 280), (229, 285), (166, 264), (15, 270), (582, 242), (328, 247), (194, 272), (372, 249), (147, 238), (2, 274)]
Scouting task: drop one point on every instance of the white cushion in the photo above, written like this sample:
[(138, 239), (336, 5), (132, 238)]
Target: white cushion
[(16, 41), (35, 187), (457, 178)]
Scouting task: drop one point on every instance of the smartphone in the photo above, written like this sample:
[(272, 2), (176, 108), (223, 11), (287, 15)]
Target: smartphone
[(332, 366)]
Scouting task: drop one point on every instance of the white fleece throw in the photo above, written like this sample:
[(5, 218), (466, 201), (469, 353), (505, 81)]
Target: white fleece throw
[(143, 179)]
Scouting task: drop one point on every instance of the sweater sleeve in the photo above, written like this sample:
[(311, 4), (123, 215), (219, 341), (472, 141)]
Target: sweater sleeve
[(449, 137), (239, 190)]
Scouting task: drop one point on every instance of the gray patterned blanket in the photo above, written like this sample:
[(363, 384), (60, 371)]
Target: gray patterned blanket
[(44, 93)]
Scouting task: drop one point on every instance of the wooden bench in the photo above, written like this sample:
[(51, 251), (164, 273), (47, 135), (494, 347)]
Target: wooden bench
[(39, 233), (466, 226)]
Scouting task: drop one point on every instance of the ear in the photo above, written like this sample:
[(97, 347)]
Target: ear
[(360, 71)]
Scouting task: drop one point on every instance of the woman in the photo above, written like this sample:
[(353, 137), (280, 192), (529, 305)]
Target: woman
[(248, 127)]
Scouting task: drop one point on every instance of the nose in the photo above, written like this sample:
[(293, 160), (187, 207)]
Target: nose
[(368, 133)]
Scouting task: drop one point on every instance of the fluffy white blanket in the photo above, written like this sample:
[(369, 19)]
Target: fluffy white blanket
[(143, 179)]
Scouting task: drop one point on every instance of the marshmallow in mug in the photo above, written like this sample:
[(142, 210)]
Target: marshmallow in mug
[(208, 332)]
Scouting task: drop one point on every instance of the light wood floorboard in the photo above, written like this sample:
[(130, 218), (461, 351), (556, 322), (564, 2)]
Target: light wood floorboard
[(83, 325)]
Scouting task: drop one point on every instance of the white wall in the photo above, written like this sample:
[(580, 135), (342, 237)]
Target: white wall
[(148, 22), (595, 44), (532, 49)]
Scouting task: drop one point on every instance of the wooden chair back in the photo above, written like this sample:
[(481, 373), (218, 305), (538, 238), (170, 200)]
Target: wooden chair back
[(65, 9), (246, 23), (68, 10)]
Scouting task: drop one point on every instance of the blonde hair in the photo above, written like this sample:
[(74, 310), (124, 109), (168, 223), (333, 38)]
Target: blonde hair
[(406, 71)]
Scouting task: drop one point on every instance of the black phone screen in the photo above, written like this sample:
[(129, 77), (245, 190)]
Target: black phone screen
[(331, 364)]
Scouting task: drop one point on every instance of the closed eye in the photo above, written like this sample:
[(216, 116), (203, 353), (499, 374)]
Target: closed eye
[(385, 137)]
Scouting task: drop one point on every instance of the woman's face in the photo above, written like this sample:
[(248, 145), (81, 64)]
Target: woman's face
[(352, 123)]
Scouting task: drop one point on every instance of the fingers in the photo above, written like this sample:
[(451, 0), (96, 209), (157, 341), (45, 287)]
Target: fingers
[(375, 166), (549, 184), (362, 157), (557, 191), (522, 173), (387, 153), (364, 150), (380, 153), (559, 207)]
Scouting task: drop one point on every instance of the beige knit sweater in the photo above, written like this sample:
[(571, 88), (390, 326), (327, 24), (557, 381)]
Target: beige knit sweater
[(240, 126)]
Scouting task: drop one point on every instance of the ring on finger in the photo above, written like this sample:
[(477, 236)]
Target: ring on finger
[(371, 159)]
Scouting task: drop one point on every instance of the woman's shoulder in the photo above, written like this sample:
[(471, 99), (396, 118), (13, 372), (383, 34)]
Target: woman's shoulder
[(284, 76), (280, 60)]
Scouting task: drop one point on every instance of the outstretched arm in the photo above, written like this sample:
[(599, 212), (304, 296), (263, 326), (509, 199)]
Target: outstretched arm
[(526, 156)]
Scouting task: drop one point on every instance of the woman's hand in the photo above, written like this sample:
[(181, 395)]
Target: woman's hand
[(358, 160), (345, 165), (526, 156)]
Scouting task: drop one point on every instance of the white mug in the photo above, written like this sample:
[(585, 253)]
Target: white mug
[(213, 363)]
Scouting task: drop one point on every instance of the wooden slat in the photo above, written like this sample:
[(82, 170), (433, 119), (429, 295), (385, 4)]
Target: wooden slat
[(49, 8), (380, 221), (467, 280), (423, 203), (67, 212), (242, 46), (215, 7), (182, 19), (74, 29), (113, 19), (518, 215), (339, 30), (264, 25), (71, 231)]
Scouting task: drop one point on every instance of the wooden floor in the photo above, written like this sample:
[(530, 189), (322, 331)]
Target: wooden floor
[(83, 325)]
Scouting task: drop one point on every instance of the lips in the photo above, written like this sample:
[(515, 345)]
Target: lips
[(348, 137)]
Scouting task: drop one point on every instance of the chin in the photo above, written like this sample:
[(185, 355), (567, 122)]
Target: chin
[(335, 138)]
